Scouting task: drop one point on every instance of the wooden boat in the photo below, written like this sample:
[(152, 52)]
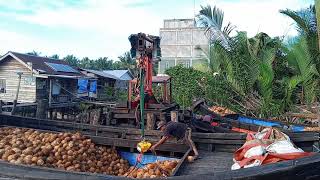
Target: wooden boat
[(242, 123), (268, 123), (215, 148)]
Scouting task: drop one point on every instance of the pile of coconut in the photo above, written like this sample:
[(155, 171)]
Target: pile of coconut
[(67, 151)]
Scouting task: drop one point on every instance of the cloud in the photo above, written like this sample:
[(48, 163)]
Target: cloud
[(105, 25), (256, 16), (12, 41), (108, 16), (97, 28)]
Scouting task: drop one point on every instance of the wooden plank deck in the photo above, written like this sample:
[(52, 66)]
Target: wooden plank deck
[(20, 105), (210, 162)]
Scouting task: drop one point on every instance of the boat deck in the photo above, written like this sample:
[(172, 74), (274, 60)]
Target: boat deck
[(210, 162)]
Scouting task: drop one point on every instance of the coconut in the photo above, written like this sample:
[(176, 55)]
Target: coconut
[(64, 150)]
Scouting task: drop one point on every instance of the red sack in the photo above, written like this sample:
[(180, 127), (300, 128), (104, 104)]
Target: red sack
[(265, 138)]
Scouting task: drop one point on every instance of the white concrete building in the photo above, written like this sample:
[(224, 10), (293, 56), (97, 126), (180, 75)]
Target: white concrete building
[(180, 42)]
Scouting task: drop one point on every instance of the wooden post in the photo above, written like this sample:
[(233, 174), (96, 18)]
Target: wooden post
[(108, 118), (14, 107), (101, 118), (50, 114), (54, 114), (129, 92), (62, 115), (42, 106), (174, 116), (170, 90), (151, 121), (165, 93), (50, 92), (0, 106), (18, 88), (95, 117), (17, 94), (163, 116)]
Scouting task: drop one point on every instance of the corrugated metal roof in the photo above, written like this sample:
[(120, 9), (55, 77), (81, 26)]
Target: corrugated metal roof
[(102, 73), (120, 74)]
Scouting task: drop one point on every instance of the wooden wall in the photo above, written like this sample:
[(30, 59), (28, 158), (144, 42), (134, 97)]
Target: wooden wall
[(8, 69), (103, 84), (42, 91), (69, 87)]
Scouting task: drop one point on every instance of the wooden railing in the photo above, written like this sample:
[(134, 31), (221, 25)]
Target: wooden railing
[(61, 98)]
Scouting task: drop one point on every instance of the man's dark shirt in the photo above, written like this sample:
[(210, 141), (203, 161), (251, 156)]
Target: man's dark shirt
[(175, 129)]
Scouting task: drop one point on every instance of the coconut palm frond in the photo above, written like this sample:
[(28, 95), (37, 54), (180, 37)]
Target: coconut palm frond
[(301, 60), (291, 85), (212, 16), (228, 29), (266, 80), (301, 22), (212, 19)]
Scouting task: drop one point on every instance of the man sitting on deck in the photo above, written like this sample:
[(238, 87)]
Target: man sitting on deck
[(175, 130)]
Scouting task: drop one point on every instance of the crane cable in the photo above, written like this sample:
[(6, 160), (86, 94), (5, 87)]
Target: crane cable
[(143, 145), (142, 103)]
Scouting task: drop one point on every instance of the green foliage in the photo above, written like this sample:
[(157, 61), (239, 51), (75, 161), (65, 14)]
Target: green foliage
[(115, 94), (83, 107), (102, 63), (306, 21), (34, 53), (55, 56), (212, 20), (72, 60), (109, 91), (219, 91), (121, 95), (187, 84), (305, 69), (258, 76), (126, 62)]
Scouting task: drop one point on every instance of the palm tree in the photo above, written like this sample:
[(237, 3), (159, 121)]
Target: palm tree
[(55, 56), (72, 60), (34, 53), (306, 22), (247, 69), (212, 20), (317, 6), (127, 62), (306, 74)]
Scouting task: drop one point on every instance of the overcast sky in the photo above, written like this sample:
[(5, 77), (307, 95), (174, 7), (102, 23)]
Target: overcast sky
[(99, 28)]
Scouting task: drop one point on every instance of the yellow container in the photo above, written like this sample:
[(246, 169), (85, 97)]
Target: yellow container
[(143, 146)]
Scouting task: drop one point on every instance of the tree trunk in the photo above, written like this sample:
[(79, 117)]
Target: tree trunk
[(317, 4)]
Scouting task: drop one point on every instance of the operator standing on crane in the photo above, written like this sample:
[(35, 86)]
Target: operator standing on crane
[(175, 130)]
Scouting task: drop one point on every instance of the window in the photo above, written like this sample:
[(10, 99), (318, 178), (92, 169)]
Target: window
[(187, 64), (167, 65), (2, 86)]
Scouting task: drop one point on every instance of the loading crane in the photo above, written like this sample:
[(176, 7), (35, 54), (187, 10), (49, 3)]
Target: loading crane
[(142, 100)]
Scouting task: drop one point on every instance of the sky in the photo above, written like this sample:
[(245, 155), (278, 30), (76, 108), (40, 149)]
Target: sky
[(100, 28)]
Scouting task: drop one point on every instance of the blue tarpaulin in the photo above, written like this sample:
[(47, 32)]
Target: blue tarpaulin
[(147, 158), (93, 86), (82, 86), (259, 122)]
